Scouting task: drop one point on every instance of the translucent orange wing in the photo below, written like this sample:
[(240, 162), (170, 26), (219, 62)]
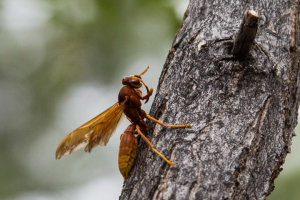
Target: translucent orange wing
[(102, 132), (99, 129)]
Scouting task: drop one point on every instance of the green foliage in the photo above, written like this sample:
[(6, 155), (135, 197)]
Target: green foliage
[(287, 187), (65, 44)]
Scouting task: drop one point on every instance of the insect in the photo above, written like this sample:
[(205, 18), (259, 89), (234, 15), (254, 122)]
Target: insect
[(98, 130)]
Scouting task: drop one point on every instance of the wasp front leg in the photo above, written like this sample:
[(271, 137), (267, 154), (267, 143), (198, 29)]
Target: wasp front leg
[(147, 96)]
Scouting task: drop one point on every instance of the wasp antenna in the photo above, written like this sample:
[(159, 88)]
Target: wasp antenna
[(144, 85), (134, 77), (144, 71)]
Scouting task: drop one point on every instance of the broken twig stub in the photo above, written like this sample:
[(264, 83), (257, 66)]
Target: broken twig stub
[(246, 34)]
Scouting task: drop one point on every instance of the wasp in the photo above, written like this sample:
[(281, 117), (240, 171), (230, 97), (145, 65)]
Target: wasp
[(99, 130)]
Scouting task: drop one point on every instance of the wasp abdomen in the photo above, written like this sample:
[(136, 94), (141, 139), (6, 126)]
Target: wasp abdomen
[(127, 151)]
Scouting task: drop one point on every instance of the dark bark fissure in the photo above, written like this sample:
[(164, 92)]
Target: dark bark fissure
[(243, 111)]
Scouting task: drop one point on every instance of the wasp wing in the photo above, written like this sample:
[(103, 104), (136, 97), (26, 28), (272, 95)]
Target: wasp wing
[(103, 124), (105, 129)]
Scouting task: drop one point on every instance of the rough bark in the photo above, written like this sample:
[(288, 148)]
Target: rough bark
[(243, 112)]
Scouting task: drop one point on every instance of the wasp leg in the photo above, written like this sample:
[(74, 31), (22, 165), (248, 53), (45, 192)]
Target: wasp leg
[(152, 147), (170, 125), (147, 96)]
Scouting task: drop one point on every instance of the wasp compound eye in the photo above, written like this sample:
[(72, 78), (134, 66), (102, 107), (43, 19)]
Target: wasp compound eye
[(135, 82)]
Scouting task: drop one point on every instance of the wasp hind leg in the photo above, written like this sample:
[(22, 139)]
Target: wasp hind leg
[(152, 147)]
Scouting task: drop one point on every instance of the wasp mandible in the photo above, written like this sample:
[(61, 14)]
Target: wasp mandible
[(98, 130)]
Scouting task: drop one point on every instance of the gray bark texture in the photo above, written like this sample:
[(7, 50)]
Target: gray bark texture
[(243, 111)]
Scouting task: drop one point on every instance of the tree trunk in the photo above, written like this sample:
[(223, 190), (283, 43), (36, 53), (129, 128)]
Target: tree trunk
[(243, 111)]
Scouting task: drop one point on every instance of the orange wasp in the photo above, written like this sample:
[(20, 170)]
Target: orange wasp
[(99, 130)]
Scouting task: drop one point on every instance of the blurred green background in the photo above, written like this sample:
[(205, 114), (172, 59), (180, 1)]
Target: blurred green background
[(61, 64)]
